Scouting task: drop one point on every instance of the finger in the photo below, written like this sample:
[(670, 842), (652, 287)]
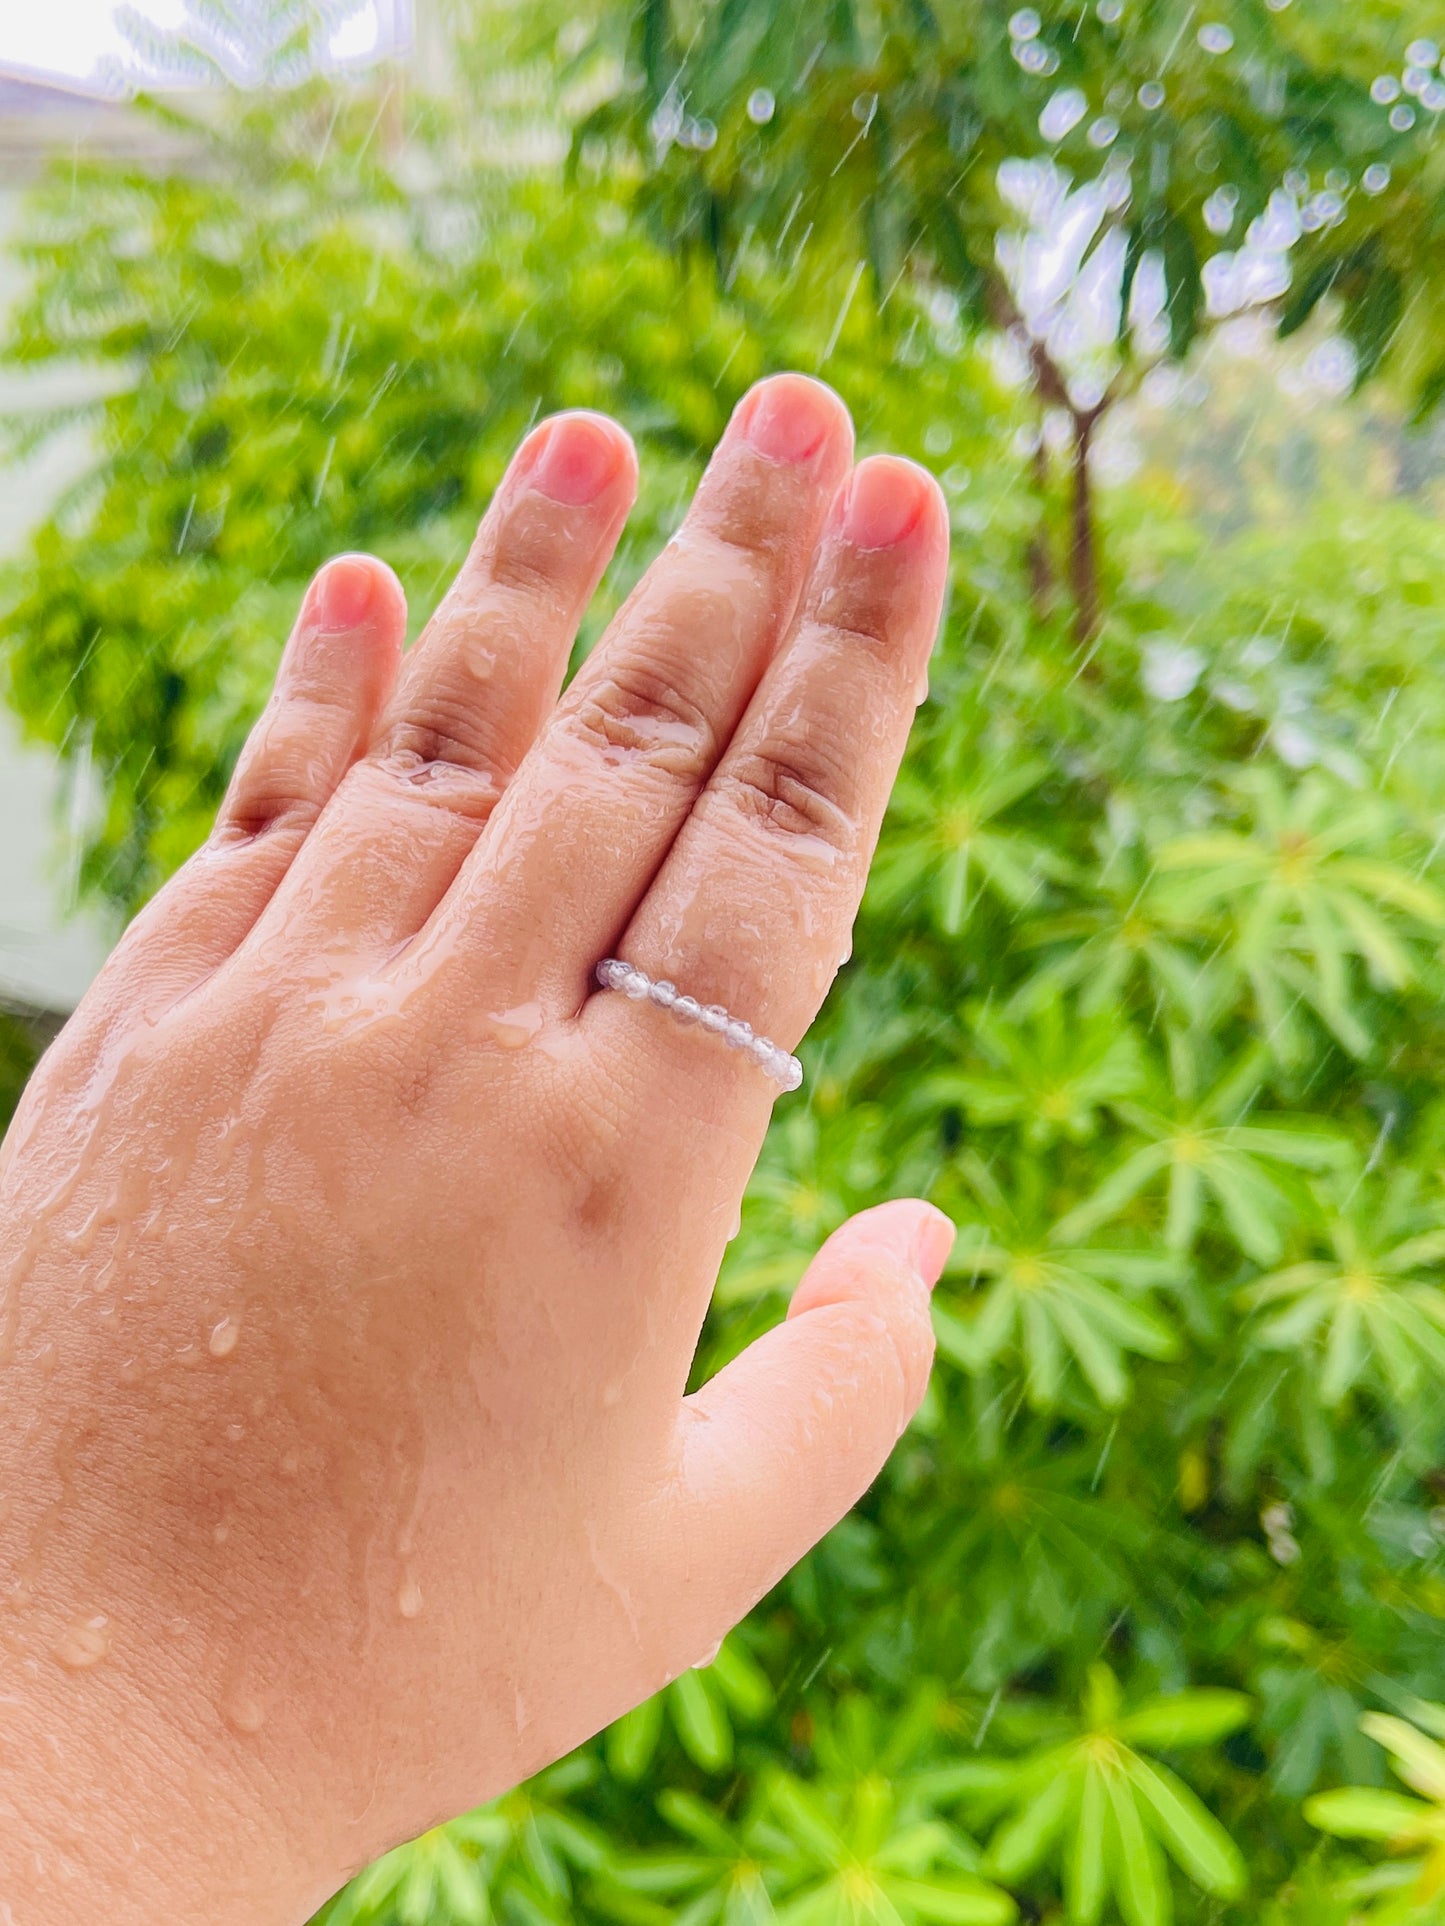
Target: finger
[(777, 1447), (601, 795), (754, 906), (471, 696), (334, 677)]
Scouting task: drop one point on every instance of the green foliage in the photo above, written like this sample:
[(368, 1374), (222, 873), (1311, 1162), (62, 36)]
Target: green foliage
[(1105, 1814), (1414, 1889), (17, 1059), (881, 130), (1147, 990)]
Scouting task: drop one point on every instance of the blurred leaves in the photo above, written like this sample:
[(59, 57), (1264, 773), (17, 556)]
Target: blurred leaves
[(1414, 1890)]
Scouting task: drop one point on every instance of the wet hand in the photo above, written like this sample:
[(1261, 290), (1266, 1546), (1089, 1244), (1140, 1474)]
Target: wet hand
[(354, 1246)]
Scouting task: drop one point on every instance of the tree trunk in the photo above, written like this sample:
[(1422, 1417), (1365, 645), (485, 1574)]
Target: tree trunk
[(1083, 550), (1040, 565)]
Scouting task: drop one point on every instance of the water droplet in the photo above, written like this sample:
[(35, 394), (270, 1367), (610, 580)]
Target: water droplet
[(1383, 89), (225, 1337), (761, 106), (83, 1644), (1215, 37), (242, 1710), (1402, 118), (512, 1028), (409, 1599), (1376, 178), (1025, 24), (1151, 95), (701, 1664)]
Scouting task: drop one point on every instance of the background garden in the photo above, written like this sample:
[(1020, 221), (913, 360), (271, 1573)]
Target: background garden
[(1146, 1618)]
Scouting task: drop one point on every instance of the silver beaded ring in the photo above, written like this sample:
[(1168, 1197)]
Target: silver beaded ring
[(785, 1070)]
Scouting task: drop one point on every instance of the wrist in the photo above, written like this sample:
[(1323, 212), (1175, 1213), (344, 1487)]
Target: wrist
[(116, 1811), (124, 1796)]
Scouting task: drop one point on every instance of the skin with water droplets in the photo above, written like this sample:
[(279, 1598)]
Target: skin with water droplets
[(347, 1242)]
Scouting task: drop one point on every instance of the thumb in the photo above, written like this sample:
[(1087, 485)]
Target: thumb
[(788, 1436)]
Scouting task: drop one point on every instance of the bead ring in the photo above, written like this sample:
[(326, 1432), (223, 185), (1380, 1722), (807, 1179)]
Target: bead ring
[(785, 1070)]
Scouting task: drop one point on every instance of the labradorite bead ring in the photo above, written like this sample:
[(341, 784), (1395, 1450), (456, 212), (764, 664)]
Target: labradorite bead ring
[(613, 974)]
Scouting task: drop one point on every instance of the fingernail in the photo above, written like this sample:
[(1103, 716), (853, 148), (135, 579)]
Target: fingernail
[(342, 593), (580, 455), (932, 1242), (788, 418), (885, 500)]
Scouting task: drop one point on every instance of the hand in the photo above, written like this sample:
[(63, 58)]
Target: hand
[(354, 1249)]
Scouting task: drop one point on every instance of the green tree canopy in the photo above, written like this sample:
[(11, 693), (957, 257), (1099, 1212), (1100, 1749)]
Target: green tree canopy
[(1245, 150)]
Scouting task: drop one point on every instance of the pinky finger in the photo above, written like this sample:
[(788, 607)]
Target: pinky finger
[(336, 673)]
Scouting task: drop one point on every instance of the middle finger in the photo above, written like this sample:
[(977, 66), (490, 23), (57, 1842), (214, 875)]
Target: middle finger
[(592, 811)]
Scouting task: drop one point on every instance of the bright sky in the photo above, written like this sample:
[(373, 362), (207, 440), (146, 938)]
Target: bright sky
[(69, 38)]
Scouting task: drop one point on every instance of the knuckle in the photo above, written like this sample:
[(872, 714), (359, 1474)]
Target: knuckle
[(528, 546), (443, 728), (284, 775), (637, 710), (428, 765), (795, 785), (532, 564), (847, 621), (271, 813), (448, 737), (747, 529)]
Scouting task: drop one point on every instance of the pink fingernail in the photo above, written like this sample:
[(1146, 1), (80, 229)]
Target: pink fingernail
[(885, 500), (789, 417), (932, 1242), (580, 455), (341, 596)]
